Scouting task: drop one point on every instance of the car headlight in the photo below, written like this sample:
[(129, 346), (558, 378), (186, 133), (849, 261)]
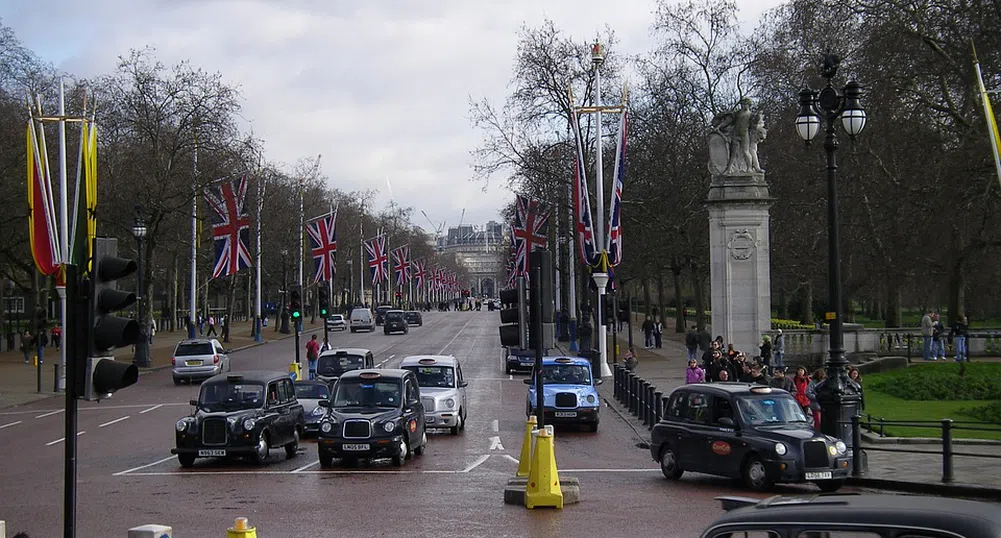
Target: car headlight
[(181, 425), (780, 449), (249, 424), (326, 427), (450, 403), (317, 411), (590, 398), (389, 426), (841, 447)]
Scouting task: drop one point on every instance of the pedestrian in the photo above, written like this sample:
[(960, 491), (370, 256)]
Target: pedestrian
[(692, 343), (779, 349), (705, 340), (647, 333), (937, 338), (927, 329), (802, 382), (630, 359), (26, 342), (658, 333), (312, 354), (211, 330), (201, 324), (766, 353), (856, 377), (694, 374), (958, 335), (780, 381), (57, 336), (152, 330), (818, 376), (41, 340)]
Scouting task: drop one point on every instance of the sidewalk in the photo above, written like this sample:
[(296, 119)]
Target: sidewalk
[(889, 466), (18, 381)]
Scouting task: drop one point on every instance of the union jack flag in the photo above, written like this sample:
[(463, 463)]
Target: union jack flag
[(439, 279), (378, 261), (528, 231), (322, 234), (419, 272), (230, 226), (582, 205), (401, 264), (614, 217)]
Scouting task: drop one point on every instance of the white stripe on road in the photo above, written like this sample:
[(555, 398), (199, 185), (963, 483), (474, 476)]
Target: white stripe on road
[(158, 462), (61, 439), (10, 424), (510, 377), (457, 333), (304, 467), (512, 458), (609, 470), (476, 463), (200, 472), (113, 421), (495, 425), (155, 407), (50, 413), (94, 408)]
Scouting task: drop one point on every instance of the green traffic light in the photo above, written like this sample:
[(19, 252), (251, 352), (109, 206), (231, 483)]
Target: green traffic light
[(323, 312), (295, 315)]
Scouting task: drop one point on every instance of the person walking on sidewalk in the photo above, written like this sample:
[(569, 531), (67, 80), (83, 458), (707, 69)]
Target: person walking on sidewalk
[(26, 341), (211, 326), (658, 333), (959, 330), (312, 354), (694, 374), (779, 349), (692, 343), (647, 333), (927, 329), (937, 339), (57, 336), (766, 353)]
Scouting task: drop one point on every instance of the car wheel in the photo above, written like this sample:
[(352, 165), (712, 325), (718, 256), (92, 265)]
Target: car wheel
[(293, 447), (829, 486), (262, 449), (593, 426), (669, 464), (424, 443), (186, 460), (755, 474), (403, 452), (177, 381), (462, 413), (326, 460), (354, 331), (458, 424)]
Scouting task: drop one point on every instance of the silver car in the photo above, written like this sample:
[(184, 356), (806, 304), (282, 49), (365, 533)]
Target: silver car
[(336, 322), (443, 390), (199, 359)]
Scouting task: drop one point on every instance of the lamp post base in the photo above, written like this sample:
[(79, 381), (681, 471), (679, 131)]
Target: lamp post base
[(258, 337), (839, 400), (142, 358)]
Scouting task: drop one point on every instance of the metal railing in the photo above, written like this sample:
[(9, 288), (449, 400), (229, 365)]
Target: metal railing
[(638, 395)]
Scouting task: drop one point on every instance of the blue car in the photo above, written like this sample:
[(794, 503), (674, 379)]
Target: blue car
[(569, 393)]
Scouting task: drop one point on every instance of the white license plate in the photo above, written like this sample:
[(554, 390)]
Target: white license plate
[(825, 475), (192, 363), (211, 453), (429, 420), (565, 414), (355, 447)]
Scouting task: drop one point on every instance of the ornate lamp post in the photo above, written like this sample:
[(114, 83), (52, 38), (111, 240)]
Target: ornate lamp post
[(141, 357), (838, 396), (284, 309)]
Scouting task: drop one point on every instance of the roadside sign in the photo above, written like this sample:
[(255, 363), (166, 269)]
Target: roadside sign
[(829, 316)]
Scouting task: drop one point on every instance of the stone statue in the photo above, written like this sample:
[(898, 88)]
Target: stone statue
[(733, 141)]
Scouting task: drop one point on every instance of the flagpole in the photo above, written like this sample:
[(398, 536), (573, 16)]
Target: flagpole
[(302, 246), (598, 58), (258, 337), (193, 291), (63, 226)]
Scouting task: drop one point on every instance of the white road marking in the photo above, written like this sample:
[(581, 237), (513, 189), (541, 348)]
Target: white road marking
[(512, 458), (94, 408), (155, 407), (157, 462), (50, 413), (510, 377), (609, 470), (61, 439), (113, 421), (10, 424), (495, 425), (457, 333), (304, 467), (476, 463), (495, 443)]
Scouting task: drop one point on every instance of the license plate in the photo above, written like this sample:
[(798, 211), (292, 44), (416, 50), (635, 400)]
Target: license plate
[(192, 363), (355, 447), (825, 475), (565, 414), (429, 420), (211, 453)]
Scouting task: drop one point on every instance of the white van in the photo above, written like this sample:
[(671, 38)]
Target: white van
[(361, 319)]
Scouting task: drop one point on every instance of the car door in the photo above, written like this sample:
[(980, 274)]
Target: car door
[(296, 415), (369, 360), (726, 449), (460, 382), (279, 429), (414, 409), (694, 448)]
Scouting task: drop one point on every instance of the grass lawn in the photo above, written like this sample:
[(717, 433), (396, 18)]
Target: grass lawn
[(891, 408)]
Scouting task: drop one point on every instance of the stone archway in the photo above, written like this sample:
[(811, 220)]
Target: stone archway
[(488, 288)]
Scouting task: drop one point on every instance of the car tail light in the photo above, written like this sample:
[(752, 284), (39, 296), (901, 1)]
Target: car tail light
[(215, 359), (173, 361)]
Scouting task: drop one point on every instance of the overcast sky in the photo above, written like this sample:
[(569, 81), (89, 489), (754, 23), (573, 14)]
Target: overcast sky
[(380, 88)]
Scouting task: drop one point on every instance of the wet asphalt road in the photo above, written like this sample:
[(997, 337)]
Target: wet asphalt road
[(128, 478)]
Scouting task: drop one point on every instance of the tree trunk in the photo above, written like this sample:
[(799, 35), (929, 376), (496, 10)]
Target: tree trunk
[(808, 303), (956, 298), (783, 303), (893, 311), (679, 311), (646, 296), (230, 300), (173, 300), (660, 297)]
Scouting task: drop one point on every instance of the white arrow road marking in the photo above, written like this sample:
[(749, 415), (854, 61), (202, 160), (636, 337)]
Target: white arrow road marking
[(10, 424), (113, 421), (155, 407), (50, 413), (157, 462), (61, 439), (476, 463), (495, 425), (495, 443), (510, 377)]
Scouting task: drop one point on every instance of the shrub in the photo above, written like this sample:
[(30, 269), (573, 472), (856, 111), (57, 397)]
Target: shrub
[(788, 324), (987, 413), (942, 382)]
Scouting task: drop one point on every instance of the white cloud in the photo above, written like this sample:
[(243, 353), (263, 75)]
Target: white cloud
[(379, 87)]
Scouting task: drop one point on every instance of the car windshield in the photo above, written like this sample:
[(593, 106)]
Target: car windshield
[(565, 374), (190, 350), (367, 393), (336, 365), (312, 391), (336, 317), (411, 315), (383, 309), (434, 376), (394, 315), (226, 395), (768, 410)]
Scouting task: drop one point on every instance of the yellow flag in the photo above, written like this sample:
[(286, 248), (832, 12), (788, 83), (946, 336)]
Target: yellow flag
[(992, 124)]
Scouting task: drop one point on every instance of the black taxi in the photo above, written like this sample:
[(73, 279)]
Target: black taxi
[(373, 414), (244, 414), (752, 432)]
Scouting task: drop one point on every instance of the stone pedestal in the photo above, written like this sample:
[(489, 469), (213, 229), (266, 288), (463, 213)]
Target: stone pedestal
[(739, 254)]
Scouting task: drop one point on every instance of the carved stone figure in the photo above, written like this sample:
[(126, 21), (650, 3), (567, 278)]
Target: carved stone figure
[(733, 142)]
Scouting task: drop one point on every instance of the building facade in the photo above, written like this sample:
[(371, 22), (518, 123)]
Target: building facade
[(479, 249)]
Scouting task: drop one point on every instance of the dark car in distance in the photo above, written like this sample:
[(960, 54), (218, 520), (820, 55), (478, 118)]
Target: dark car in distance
[(395, 322), (380, 313), (414, 317), (756, 433), (243, 414), (373, 414)]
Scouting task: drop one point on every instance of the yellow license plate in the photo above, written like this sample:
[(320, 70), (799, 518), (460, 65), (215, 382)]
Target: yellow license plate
[(192, 363)]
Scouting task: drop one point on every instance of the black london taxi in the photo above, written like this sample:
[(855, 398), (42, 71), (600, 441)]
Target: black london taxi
[(373, 414), (380, 313), (756, 433), (855, 515), (395, 322), (332, 363), (244, 414), (414, 317)]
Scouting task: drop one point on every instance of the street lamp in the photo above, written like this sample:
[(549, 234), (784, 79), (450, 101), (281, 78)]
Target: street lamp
[(141, 357), (601, 281), (351, 284), (838, 396), (283, 315)]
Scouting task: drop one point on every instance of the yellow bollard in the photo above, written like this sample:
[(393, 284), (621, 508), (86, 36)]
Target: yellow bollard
[(295, 371), (525, 461), (241, 529), (543, 479)]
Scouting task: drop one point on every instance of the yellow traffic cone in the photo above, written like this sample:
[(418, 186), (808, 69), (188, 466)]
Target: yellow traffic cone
[(543, 478), (241, 529), (295, 371), (525, 461)]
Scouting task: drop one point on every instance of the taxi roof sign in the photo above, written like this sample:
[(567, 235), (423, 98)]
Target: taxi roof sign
[(370, 375), (761, 390), (427, 361), (563, 360), (234, 378)]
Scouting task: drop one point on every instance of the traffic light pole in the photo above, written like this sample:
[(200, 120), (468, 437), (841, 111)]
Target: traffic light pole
[(536, 306), (71, 337)]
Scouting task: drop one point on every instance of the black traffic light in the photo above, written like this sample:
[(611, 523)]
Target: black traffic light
[(544, 305), (324, 300), (295, 303), (102, 375), (514, 316)]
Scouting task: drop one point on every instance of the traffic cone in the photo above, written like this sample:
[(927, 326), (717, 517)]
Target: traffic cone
[(543, 479), (295, 371), (241, 529), (525, 461)]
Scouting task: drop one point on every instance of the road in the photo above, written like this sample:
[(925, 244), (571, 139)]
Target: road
[(128, 478)]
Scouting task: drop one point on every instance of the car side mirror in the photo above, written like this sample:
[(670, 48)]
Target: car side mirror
[(599, 381), (527, 381), (463, 383), (324, 403), (726, 421), (193, 402)]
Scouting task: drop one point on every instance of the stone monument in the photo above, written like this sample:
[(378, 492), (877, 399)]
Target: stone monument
[(738, 205)]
